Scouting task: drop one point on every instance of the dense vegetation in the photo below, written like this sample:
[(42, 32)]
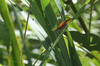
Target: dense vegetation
[(77, 44)]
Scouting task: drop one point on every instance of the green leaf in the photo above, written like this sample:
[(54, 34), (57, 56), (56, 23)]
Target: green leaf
[(52, 20), (93, 44), (75, 26), (4, 35), (54, 7), (72, 51), (16, 53), (85, 61), (97, 63)]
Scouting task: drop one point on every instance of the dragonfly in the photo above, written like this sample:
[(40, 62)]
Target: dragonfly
[(62, 25)]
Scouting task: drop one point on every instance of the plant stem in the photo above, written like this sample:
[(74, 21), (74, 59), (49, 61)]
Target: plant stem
[(90, 15), (79, 18)]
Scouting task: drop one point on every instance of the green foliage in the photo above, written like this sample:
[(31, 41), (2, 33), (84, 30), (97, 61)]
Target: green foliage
[(89, 41), (45, 44), (4, 33)]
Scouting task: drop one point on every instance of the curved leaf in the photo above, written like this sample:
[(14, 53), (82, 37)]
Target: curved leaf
[(93, 44)]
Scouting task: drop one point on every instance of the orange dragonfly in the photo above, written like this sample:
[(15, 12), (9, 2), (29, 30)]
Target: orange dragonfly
[(63, 25)]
